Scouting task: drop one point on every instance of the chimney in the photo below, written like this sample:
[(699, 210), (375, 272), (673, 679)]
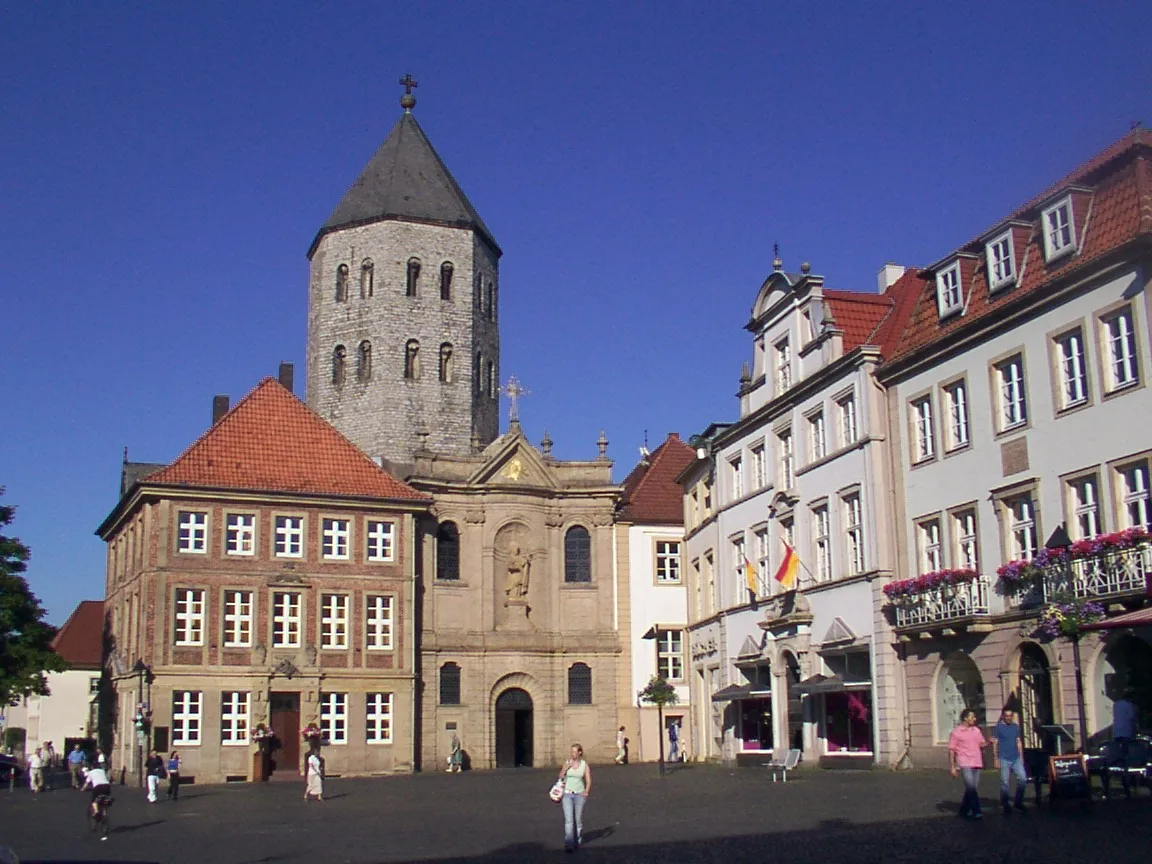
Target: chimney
[(219, 408), (888, 275), (287, 372)]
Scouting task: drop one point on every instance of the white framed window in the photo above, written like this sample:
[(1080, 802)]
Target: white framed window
[(956, 400), (1001, 266), (1084, 499), (1073, 372), (759, 467), (378, 718), (336, 536), (670, 655), (736, 473), (334, 621), (763, 556), (924, 429), (928, 535), (1121, 341), (378, 622), (848, 426), (783, 365), (189, 616), (818, 437), (668, 561), (237, 619), (1011, 394), (964, 530), (380, 540), (854, 533), (739, 582), (240, 534), (234, 717), (192, 533), (289, 536), (334, 718), (1059, 230), (285, 619), (949, 296), (1137, 497), (186, 717), (822, 540), (1022, 532), (787, 461), (788, 532)]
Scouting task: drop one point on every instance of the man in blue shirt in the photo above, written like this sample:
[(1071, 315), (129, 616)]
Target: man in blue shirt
[(1123, 731), (76, 762), (1008, 756)]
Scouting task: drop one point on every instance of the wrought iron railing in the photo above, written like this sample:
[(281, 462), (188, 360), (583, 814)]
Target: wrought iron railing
[(1114, 573), (943, 603)]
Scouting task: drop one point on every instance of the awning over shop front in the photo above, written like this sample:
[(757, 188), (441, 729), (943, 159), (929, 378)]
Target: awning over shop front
[(1139, 618), (829, 684), (738, 691)]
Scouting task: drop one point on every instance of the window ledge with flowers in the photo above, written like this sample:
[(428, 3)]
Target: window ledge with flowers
[(938, 597), (1105, 566)]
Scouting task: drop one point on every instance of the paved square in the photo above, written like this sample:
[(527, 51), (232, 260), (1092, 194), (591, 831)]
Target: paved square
[(695, 814)]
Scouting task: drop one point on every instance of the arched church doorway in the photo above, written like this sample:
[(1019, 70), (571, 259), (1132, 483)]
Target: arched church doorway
[(514, 729), (1035, 694)]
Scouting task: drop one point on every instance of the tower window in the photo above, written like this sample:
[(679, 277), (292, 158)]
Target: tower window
[(477, 290), (367, 278), (446, 363), (446, 280), (478, 373), (491, 379), (488, 301), (364, 362), (412, 359), (338, 357), (577, 555), (341, 283), (495, 303), (448, 552), (413, 277)]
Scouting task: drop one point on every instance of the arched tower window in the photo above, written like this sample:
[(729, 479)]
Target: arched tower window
[(495, 303), (341, 283), (446, 363), (577, 555), (446, 280), (491, 379), (413, 279), (364, 362), (488, 301), (449, 684), (579, 684), (367, 278), (478, 373), (448, 552), (412, 359), (477, 290), (338, 357)]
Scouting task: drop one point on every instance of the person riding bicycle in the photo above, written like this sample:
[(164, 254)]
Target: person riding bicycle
[(97, 780)]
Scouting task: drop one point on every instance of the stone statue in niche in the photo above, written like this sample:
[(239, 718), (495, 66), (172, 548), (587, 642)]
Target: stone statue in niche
[(519, 567)]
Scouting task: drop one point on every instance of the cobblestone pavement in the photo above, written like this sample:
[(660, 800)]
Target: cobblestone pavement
[(695, 814)]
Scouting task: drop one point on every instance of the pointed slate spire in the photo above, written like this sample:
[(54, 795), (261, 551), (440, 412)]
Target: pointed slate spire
[(406, 180)]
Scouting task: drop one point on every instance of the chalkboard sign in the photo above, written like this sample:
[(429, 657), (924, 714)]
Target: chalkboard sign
[(1068, 776)]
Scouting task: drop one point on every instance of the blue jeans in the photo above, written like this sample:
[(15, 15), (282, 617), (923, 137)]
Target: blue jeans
[(1008, 767), (970, 803), (573, 805)]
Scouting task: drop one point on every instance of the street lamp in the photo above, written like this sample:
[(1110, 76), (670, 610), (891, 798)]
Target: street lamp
[(653, 635), (1061, 540), (143, 713)]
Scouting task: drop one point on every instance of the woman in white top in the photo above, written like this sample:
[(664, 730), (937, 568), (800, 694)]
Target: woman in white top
[(577, 777), (314, 775)]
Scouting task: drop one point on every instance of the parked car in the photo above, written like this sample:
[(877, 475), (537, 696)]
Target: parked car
[(9, 768)]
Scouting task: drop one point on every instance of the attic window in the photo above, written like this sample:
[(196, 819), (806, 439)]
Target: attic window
[(1001, 258), (1059, 230), (949, 294)]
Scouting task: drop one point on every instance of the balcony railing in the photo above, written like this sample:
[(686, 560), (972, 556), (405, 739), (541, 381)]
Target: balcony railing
[(1107, 574), (943, 603)]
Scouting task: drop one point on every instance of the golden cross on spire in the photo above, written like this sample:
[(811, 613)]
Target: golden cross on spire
[(408, 101)]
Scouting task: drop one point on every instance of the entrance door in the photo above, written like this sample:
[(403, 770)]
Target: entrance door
[(514, 729), (285, 719), (1035, 695), (795, 706)]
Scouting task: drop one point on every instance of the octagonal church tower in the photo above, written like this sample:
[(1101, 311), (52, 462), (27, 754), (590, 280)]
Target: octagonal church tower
[(403, 307)]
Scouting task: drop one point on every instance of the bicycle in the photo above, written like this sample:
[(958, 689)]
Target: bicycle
[(98, 815)]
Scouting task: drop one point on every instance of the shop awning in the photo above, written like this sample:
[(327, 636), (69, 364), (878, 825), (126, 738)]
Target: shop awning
[(739, 691), (1139, 618), (829, 684)]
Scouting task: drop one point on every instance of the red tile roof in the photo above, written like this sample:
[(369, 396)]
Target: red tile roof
[(271, 441), (858, 314), (1120, 211), (651, 494), (81, 639)]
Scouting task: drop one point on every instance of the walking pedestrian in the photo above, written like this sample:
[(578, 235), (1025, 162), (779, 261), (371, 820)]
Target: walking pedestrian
[(455, 755), (1008, 756), (674, 741), (314, 774), (964, 746), (173, 776), (621, 741), (76, 766), (100, 760), (153, 768), (36, 770), (49, 755), (1123, 731), (577, 777)]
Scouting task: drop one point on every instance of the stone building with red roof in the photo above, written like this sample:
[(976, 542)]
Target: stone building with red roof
[(263, 581), (1017, 390)]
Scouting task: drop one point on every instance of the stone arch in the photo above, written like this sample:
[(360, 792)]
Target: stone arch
[(957, 683), (509, 684), (1120, 660), (1032, 682)]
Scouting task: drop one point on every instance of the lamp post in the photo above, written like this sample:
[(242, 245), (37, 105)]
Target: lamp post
[(143, 710), (653, 635), (1060, 540)]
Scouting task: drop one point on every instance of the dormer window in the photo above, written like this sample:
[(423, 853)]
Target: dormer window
[(949, 295), (1001, 269), (1059, 230)]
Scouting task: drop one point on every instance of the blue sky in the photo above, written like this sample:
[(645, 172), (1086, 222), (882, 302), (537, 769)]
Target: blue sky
[(166, 165)]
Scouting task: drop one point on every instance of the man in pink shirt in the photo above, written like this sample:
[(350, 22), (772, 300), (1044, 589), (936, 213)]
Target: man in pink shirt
[(964, 746)]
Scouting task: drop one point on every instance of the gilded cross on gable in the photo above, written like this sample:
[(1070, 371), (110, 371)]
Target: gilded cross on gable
[(515, 391), (408, 82), (407, 101)]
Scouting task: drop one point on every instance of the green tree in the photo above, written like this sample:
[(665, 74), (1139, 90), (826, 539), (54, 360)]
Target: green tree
[(25, 639), (659, 692)]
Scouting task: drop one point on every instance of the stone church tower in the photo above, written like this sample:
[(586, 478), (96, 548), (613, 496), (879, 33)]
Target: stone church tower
[(403, 308)]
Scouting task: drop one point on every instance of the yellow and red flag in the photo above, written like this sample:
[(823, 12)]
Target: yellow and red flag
[(786, 573), (750, 577)]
